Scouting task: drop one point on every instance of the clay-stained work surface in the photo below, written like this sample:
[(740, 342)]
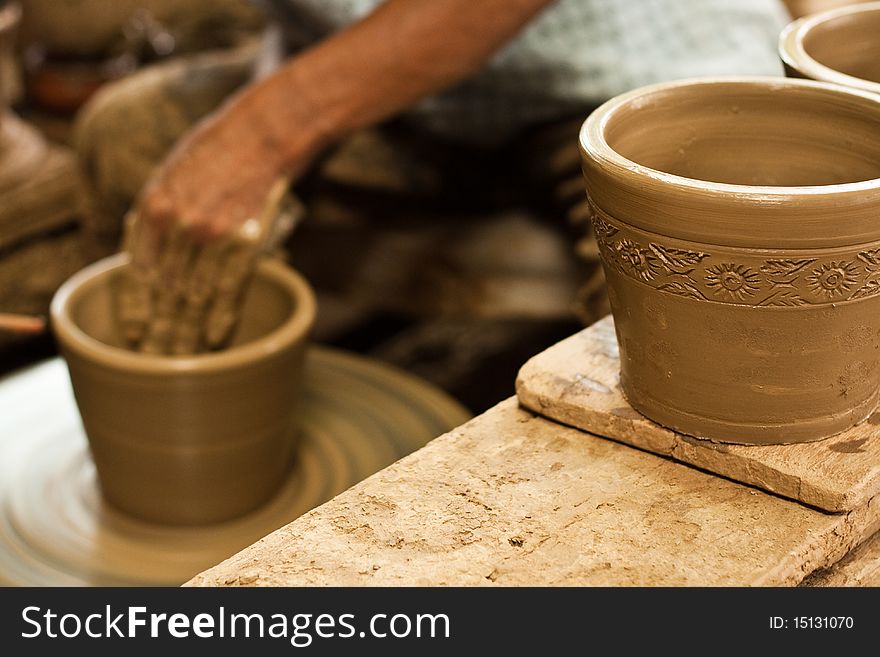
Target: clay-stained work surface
[(511, 498), (576, 382), (55, 528)]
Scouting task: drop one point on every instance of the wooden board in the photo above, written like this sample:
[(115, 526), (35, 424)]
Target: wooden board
[(55, 529), (576, 382), (511, 498)]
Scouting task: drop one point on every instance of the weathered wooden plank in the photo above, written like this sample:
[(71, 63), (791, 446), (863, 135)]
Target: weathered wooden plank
[(576, 382)]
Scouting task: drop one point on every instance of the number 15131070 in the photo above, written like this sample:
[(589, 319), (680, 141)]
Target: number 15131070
[(812, 623)]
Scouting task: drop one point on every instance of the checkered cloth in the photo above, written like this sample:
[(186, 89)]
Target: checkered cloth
[(576, 54)]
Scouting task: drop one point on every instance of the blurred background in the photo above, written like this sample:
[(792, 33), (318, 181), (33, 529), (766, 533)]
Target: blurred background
[(459, 288)]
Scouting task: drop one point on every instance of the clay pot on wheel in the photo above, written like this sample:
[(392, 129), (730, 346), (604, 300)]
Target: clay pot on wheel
[(738, 225), (840, 45), (188, 440)]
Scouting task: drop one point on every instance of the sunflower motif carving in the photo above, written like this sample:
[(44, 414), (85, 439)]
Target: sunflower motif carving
[(833, 280), (737, 276), (640, 262), (732, 281)]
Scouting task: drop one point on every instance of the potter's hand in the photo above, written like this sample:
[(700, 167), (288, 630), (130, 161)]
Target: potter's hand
[(218, 176), (188, 297), (196, 228)]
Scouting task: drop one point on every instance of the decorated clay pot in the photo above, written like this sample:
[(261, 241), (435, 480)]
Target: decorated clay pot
[(840, 45), (188, 440), (738, 225)]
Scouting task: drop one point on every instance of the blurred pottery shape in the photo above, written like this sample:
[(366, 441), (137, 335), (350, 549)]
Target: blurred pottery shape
[(10, 17)]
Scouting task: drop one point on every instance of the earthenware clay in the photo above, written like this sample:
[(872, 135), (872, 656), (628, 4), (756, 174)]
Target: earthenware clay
[(187, 440), (840, 45), (737, 222)]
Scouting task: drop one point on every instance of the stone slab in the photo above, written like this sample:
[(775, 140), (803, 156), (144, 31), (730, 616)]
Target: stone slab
[(576, 382), (511, 498), (861, 567)]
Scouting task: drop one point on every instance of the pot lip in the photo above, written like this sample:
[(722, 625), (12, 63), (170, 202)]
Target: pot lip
[(294, 330), (795, 56), (594, 146)]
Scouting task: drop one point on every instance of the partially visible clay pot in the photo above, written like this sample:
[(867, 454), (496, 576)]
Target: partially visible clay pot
[(738, 225), (188, 440), (840, 45)]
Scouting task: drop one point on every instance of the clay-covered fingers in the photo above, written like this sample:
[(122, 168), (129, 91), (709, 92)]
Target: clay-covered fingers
[(147, 227), (239, 257), (152, 305), (190, 300), (183, 292), (133, 298), (198, 292), (168, 289), (237, 264)]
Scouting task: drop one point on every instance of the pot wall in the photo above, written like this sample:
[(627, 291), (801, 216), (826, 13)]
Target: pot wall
[(744, 345)]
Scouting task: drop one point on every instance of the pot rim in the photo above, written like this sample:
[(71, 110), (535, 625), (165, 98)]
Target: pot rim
[(293, 330), (594, 144), (796, 57), (778, 216)]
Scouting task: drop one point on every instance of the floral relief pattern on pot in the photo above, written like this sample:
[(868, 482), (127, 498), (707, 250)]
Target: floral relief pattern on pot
[(744, 277)]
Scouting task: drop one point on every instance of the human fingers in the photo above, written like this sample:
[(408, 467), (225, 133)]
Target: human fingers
[(189, 337), (147, 227), (168, 289), (237, 265), (133, 294)]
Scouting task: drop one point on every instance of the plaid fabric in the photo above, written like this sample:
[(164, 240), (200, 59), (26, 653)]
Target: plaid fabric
[(576, 54)]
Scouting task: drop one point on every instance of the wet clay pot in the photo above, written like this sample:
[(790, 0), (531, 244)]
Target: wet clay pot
[(738, 225), (188, 440), (840, 45)]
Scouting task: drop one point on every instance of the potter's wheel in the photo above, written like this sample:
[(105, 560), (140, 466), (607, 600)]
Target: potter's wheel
[(55, 528)]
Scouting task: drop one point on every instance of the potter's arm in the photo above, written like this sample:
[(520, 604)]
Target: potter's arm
[(404, 51), (221, 173)]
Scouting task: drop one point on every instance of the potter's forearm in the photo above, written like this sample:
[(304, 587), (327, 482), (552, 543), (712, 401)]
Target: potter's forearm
[(405, 51)]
